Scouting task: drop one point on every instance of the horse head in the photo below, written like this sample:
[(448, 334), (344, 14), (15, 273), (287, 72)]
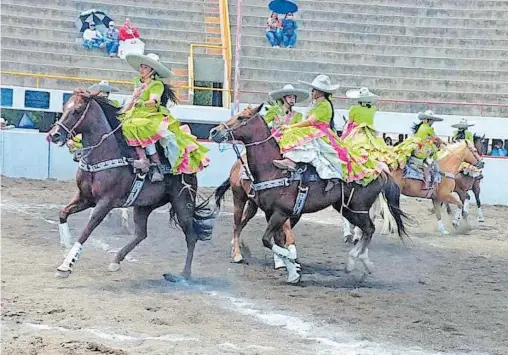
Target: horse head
[(472, 156), (247, 126), (75, 110), (478, 143)]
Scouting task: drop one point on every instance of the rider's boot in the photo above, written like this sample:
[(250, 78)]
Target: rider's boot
[(285, 164), (157, 173)]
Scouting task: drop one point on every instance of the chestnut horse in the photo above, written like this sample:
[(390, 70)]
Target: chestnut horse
[(278, 202), (109, 187)]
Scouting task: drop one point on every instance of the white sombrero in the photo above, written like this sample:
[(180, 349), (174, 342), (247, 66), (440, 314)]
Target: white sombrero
[(151, 59), (361, 95), (103, 86), (428, 115), (322, 83), (463, 124), (301, 94)]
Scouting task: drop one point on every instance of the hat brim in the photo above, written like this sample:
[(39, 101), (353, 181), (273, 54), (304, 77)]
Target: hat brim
[(329, 90), (354, 94), (301, 95), (462, 125), (423, 116), (135, 60), (103, 88)]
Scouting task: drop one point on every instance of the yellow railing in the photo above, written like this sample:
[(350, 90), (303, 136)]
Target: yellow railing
[(38, 77), (191, 65), (226, 43)]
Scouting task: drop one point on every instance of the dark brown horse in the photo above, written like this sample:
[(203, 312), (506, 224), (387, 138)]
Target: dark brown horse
[(278, 203), (469, 180), (105, 181)]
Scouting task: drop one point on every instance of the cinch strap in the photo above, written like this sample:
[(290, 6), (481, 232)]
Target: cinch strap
[(136, 188), (104, 165)]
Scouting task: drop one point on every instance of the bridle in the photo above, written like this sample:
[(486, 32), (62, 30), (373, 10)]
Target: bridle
[(71, 133)]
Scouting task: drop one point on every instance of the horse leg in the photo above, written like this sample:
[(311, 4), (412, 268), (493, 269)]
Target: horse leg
[(100, 211), (140, 216), (124, 219), (476, 191), (437, 211), (77, 204), (240, 216), (273, 230), (346, 226), (448, 208), (360, 250)]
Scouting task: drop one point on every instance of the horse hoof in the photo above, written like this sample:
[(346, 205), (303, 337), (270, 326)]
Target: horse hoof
[(481, 219), (62, 274), (294, 279), (444, 232), (369, 266), (114, 267), (350, 266), (238, 258)]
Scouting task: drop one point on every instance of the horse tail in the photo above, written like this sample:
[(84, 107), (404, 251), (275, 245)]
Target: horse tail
[(220, 192), (390, 204)]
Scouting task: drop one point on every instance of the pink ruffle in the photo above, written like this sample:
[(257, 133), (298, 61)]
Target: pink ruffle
[(153, 139), (348, 128)]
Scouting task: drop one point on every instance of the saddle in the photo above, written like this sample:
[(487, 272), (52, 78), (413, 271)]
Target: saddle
[(420, 169)]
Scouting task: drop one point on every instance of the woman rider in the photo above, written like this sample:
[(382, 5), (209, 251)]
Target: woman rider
[(314, 141), (146, 120), (281, 112), (359, 131), (462, 131)]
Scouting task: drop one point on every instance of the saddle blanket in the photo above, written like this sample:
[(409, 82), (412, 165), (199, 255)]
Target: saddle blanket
[(412, 172)]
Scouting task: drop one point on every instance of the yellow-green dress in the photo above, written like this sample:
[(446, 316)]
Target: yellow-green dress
[(276, 116), (143, 126), (360, 134), (421, 145), (318, 145)]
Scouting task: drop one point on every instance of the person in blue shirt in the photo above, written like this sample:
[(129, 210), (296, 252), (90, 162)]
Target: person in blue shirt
[(112, 41), (289, 30), (498, 150)]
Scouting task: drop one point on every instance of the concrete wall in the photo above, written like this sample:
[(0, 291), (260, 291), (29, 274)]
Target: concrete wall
[(27, 153)]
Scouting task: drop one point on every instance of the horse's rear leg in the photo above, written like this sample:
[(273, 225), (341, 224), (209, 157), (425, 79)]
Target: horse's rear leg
[(76, 205), (241, 216), (476, 191), (100, 211), (140, 216)]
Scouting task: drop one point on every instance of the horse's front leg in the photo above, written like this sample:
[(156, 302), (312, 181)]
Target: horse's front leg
[(77, 204), (275, 222), (100, 211)]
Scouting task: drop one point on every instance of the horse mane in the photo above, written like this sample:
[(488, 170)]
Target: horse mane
[(111, 113)]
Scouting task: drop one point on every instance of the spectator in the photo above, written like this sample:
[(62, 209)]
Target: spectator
[(112, 40), (401, 139), (273, 30), (127, 31), (388, 141), (92, 38), (498, 150), (289, 30)]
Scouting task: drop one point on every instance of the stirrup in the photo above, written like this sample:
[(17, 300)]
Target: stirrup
[(141, 164)]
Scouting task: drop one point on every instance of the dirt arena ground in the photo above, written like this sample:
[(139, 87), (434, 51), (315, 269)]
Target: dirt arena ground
[(435, 295)]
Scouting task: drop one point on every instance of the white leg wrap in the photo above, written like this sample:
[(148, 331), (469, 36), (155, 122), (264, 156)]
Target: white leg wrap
[(125, 217), (278, 262), (72, 258), (441, 228), (481, 218), (358, 234), (65, 235), (466, 206), (458, 216), (292, 250), (293, 274), (364, 258), (282, 252)]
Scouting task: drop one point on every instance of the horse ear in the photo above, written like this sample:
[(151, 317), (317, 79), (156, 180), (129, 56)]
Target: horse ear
[(257, 109)]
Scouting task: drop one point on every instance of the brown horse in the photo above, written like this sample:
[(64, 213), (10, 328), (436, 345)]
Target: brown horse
[(278, 200), (467, 181), (105, 181)]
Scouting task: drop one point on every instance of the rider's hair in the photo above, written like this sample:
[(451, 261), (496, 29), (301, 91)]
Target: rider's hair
[(168, 94), (328, 98), (416, 127), (365, 104)]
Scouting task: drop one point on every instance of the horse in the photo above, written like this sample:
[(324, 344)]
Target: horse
[(451, 158), (106, 180), (467, 180), (276, 192)]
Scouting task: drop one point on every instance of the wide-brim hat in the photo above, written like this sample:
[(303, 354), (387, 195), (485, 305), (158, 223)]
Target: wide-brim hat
[(322, 83), (151, 59), (463, 124), (103, 86), (428, 115), (361, 95), (301, 94)]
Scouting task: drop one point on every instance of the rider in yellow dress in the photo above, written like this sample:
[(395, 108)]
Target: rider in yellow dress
[(315, 142), (146, 120), (359, 132), (462, 131)]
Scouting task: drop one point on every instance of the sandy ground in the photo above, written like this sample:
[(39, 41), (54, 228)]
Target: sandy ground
[(434, 295)]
